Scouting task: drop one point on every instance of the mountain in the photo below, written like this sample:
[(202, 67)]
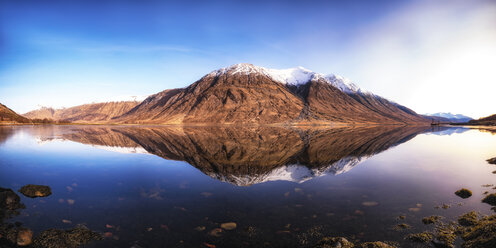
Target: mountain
[(487, 121), (246, 155), (87, 113), (9, 116), (244, 93), (449, 117)]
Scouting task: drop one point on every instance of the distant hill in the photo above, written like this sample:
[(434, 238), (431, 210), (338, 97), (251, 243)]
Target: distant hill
[(9, 116), (488, 121), (449, 117), (245, 93), (86, 113)]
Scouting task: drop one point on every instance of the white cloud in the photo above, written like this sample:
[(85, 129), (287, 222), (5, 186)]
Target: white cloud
[(432, 57)]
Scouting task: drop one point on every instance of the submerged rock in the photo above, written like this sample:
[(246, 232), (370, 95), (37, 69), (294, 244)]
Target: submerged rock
[(431, 219), (72, 238), (422, 237), (445, 236), (463, 193), (490, 199), (24, 237), (402, 226), (468, 219), (14, 235), (228, 226), (34, 191), (482, 234), (10, 202), (334, 242), (376, 244)]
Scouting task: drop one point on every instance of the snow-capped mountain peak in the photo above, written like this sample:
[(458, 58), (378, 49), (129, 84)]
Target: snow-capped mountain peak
[(449, 115), (292, 76)]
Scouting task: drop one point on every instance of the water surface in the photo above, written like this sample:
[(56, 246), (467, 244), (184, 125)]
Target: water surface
[(283, 187)]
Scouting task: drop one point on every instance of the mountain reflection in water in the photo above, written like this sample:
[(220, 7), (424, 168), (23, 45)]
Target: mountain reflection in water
[(248, 155)]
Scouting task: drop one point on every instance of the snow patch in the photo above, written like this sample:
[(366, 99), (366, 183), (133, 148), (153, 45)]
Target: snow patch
[(121, 149), (293, 76), (293, 173)]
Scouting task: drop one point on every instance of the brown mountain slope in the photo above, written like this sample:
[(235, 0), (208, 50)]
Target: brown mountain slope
[(246, 93), (488, 121), (87, 113), (9, 116), (227, 98)]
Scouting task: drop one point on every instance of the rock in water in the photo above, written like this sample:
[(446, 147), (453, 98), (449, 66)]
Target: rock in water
[(431, 219), (72, 238), (423, 237), (468, 219), (10, 202), (334, 242), (463, 193), (492, 160), (228, 226), (34, 191), (24, 237), (482, 234), (377, 244), (490, 199)]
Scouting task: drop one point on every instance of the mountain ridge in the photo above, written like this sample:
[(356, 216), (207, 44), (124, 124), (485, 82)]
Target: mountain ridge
[(7, 115), (245, 93), (249, 94)]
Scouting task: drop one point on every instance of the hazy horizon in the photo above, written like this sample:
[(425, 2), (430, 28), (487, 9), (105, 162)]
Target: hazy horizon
[(430, 56)]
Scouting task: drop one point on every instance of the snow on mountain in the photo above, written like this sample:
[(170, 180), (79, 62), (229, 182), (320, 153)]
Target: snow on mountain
[(451, 116), (293, 76), (292, 173)]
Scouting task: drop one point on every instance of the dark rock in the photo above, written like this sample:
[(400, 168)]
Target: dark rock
[(34, 191), (24, 237), (10, 202), (490, 199), (14, 235), (72, 238), (445, 236), (431, 219), (492, 160), (468, 219), (422, 237), (463, 193), (402, 226), (334, 242), (376, 244), (483, 234)]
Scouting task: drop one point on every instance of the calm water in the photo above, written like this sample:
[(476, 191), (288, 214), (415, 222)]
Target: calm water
[(283, 187)]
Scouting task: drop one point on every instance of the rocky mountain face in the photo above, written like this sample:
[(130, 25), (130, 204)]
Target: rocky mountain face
[(87, 113), (9, 116), (247, 155), (488, 121), (245, 93)]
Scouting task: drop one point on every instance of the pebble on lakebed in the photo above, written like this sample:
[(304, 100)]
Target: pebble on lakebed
[(34, 191), (228, 226), (463, 193)]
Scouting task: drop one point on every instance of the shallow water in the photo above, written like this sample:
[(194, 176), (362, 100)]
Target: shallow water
[(283, 187)]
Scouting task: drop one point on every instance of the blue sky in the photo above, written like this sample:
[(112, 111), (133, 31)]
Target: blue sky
[(426, 55)]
